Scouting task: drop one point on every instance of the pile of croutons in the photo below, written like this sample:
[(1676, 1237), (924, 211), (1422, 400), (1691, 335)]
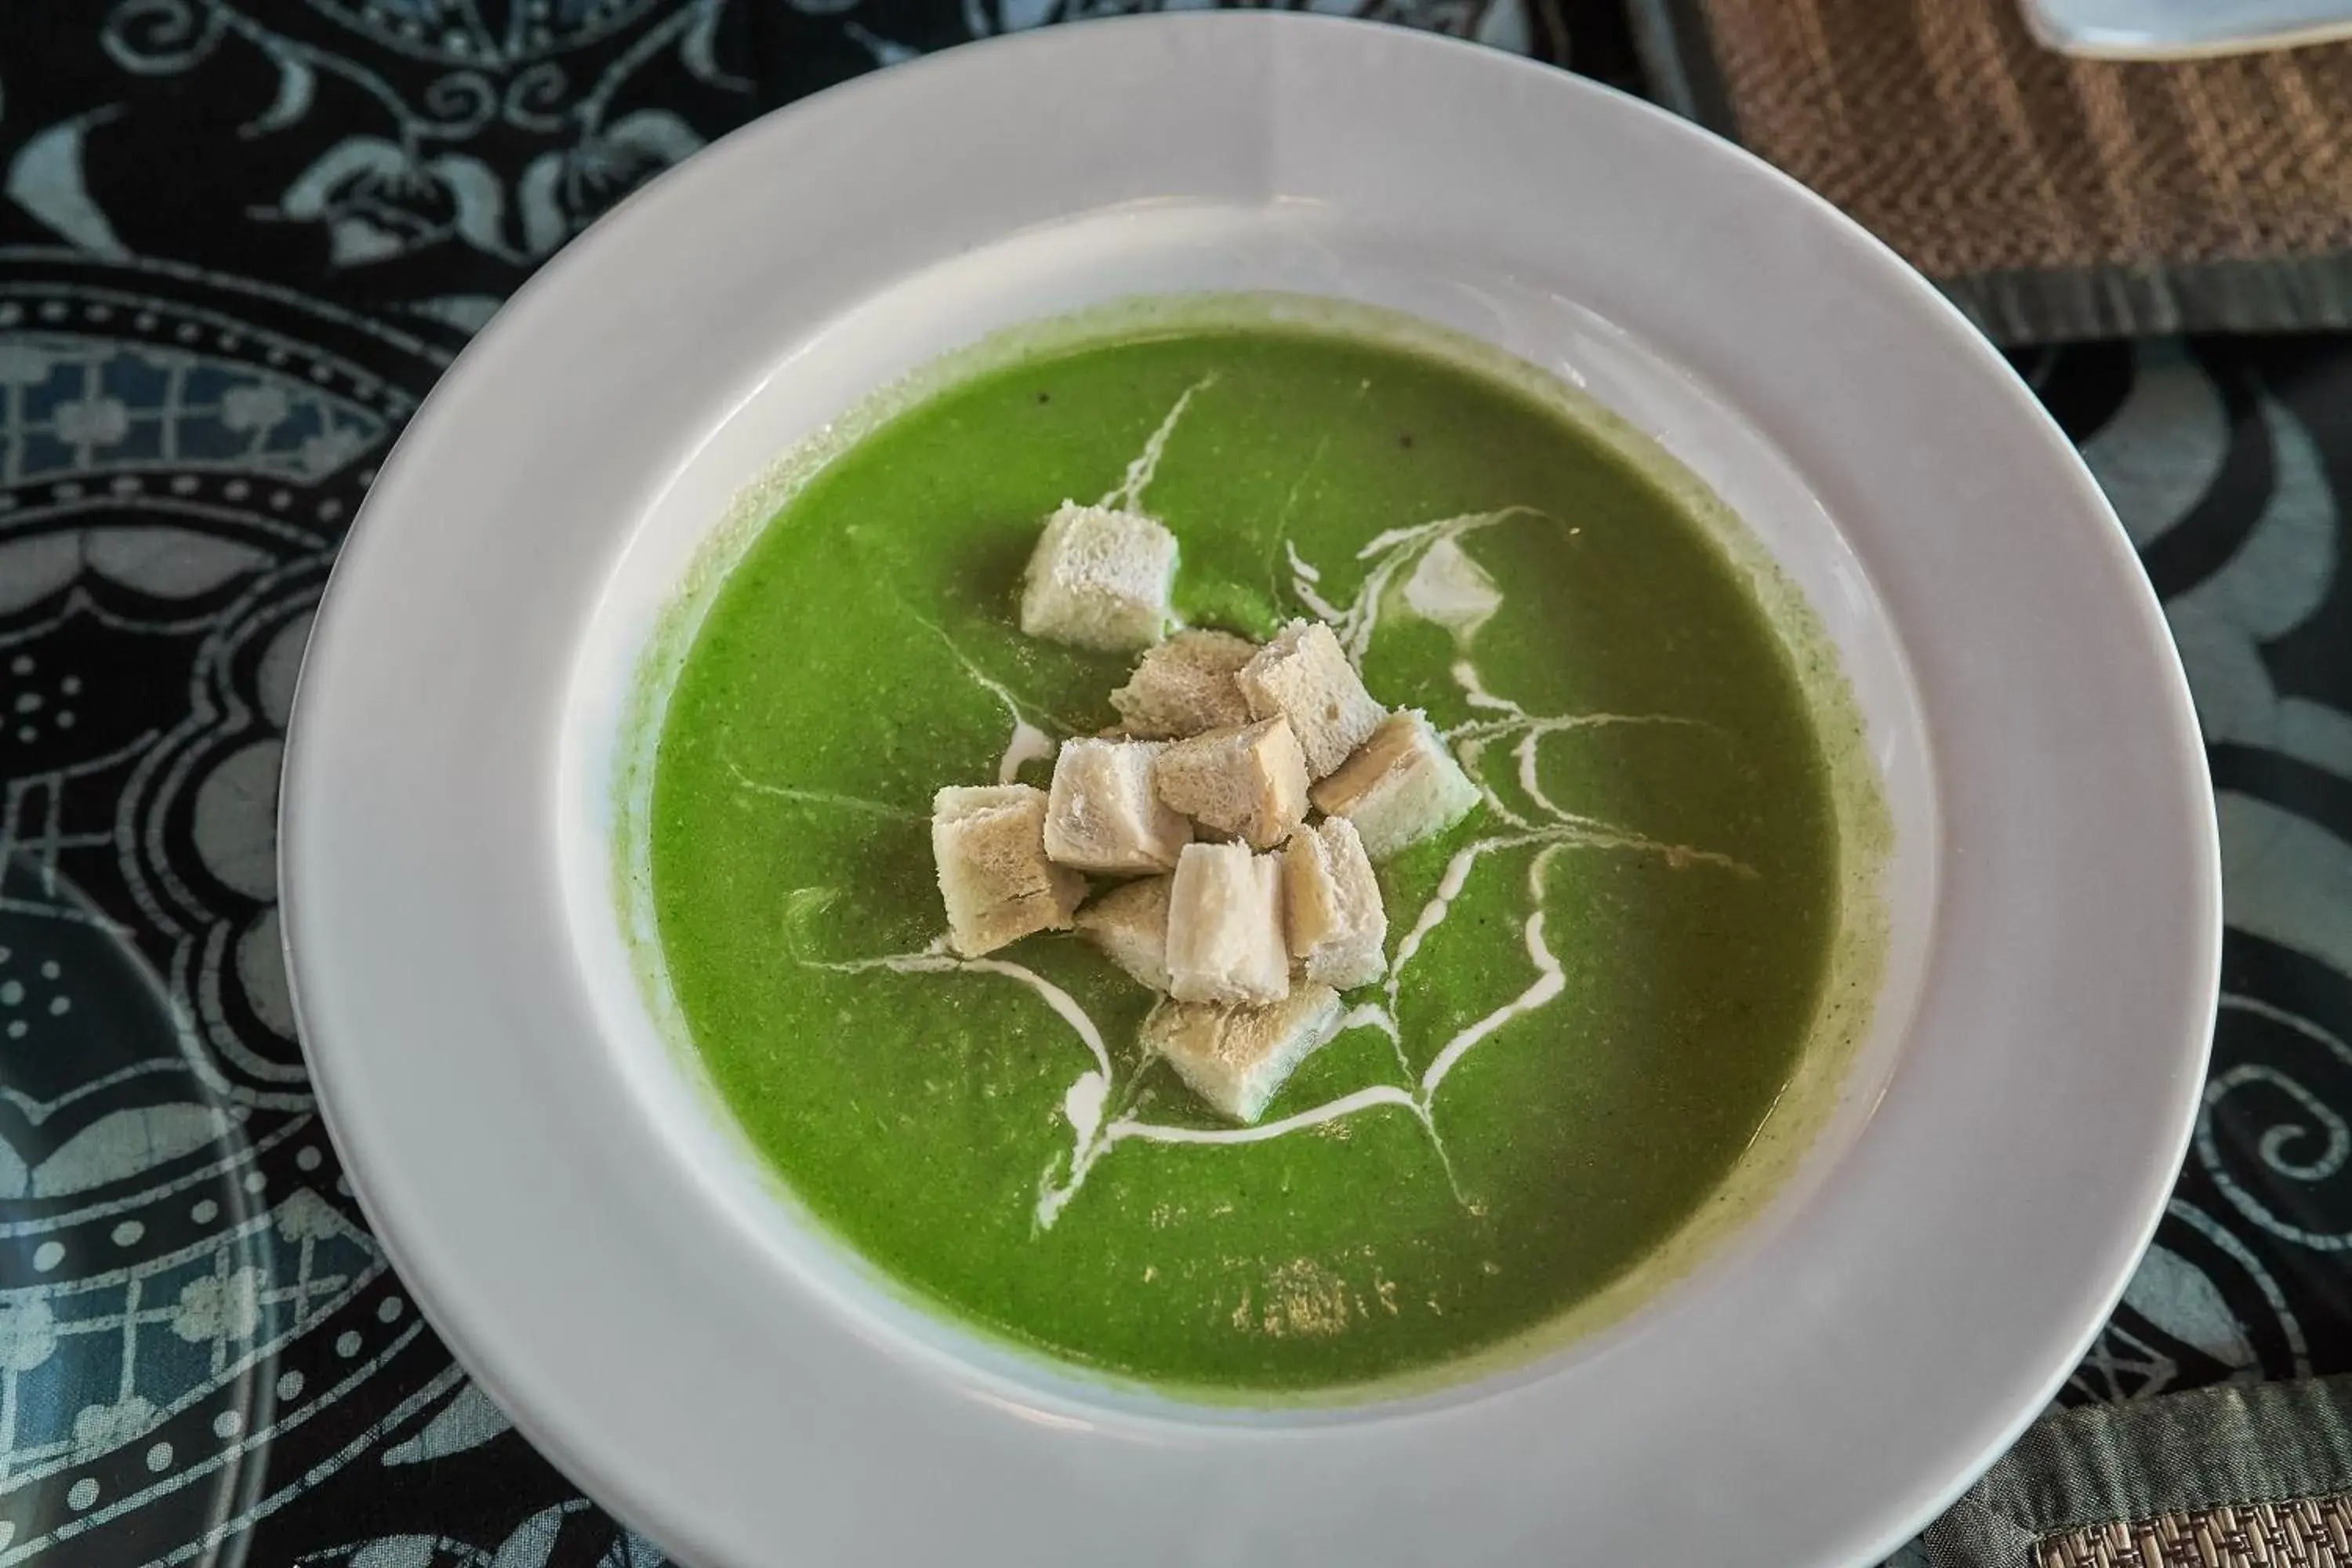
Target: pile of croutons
[(1246, 917)]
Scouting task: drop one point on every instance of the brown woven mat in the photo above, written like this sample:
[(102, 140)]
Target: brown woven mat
[(2051, 198), (2307, 1533)]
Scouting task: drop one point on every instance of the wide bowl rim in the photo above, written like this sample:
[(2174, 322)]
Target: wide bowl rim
[(322, 747)]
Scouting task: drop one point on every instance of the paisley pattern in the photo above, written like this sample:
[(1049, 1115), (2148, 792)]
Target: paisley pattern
[(2230, 463), (238, 241)]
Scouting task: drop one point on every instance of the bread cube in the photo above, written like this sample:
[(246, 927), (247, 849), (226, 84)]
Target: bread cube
[(1100, 579), (1238, 1058), (1186, 686), (1248, 782), (1102, 813), (1130, 923), (1304, 676), (1331, 905), (990, 846), (1225, 927), (1402, 785)]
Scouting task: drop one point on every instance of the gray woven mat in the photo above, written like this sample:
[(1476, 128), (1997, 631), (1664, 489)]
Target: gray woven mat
[(2239, 1475)]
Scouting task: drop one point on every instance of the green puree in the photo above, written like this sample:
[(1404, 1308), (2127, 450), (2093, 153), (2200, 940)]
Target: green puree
[(841, 675)]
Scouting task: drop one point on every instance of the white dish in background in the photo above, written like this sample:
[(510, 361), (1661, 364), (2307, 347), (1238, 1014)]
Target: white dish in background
[(2184, 29), (590, 1238)]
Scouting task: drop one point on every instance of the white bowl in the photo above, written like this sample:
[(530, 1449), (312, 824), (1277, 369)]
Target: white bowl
[(579, 1220)]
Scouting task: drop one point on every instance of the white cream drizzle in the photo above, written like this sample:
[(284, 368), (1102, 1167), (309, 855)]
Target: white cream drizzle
[(1314, 1116), (1129, 495), (1549, 984), (1029, 744), (937, 960), (1448, 588), (1474, 690), (825, 798), (1470, 741), (1525, 753), (1389, 552), (1304, 576), (1454, 592), (1471, 754), (1028, 741)]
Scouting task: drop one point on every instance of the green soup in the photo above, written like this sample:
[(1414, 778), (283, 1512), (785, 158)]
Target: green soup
[(1612, 970)]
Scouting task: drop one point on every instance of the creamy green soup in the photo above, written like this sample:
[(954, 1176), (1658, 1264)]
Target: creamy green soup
[(1603, 981)]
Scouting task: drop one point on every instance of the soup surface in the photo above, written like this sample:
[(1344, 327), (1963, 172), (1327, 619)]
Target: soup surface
[(1602, 981)]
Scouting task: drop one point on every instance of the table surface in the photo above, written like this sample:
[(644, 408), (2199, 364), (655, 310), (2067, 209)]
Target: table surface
[(238, 241)]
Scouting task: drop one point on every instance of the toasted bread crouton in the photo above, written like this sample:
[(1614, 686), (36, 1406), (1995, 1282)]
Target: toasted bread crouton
[(1225, 927), (1130, 923), (1305, 677), (1331, 905), (1248, 782), (1100, 579), (1238, 1058), (1102, 813), (1185, 686), (990, 846), (1401, 786)]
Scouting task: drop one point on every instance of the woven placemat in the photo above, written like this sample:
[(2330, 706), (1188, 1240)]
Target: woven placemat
[(2237, 1476), (2053, 198), (2308, 1532)]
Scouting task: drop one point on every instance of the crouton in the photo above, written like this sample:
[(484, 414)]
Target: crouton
[(1130, 923), (1100, 579), (1331, 905), (1102, 813), (1400, 787), (1303, 676), (1225, 927), (1238, 1058), (1185, 686), (1248, 782), (990, 846)]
